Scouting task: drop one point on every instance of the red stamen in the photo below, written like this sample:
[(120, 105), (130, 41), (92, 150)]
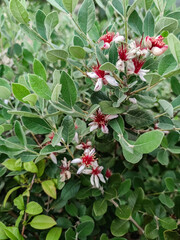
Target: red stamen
[(138, 64), (87, 159), (96, 171)]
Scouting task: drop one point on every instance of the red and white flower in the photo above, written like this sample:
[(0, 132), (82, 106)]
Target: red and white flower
[(85, 161), (134, 66), (103, 77), (155, 45), (100, 120), (111, 37), (84, 146), (65, 173), (96, 174)]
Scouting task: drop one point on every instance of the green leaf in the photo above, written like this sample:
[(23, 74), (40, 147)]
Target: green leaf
[(42, 222), (68, 91), (174, 46), (77, 52), (4, 92), (167, 107), (168, 223), (148, 142), (19, 202), (117, 125), (119, 227), (49, 188), (55, 93), (170, 183), (124, 187), (20, 91), (30, 167), (135, 23), (8, 194), (163, 157), (133, 158), (151, 231), (31, 33), (175, 85), (31, 99), (171, 235), (12, 164), (57, 54), (106, 108), (40, 18), (1, 129), (5, 83), (108, 67), (39, 86), (86, 15), (165, 123), (70, 234), (100, 56), (20, 133), (2, 231), (36, 125), (166, 200), (57, 4), (33, 208), (50, 22), (167, 64), (13, 233), (68, 131), (19, 12), (71, 209), (166, 24), (86, 227), (139, 118), (50, 149), (100, 207), (123, 212), (148, 4), (113, 54), (70, 5), (54, 234), (133, 7), (117, 5), (39, 69), (149, 24)]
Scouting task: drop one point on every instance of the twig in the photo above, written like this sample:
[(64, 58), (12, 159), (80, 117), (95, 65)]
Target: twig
[(136, 224)]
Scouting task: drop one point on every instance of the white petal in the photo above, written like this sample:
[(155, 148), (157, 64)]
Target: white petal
[(53, 158), (106, 45), (92, 151), (101, 177), (76, 137), (120, 65), (96, 180), (80, 146), (104, 129), (118, 39), (111, 80), (82, 167), (147, 42), (92, 75), (87, 171), (110, 117), (98, 85), (142, 73), (68, 174), (92, 180), (76, 160), (156, 51), (130, 67), (93, 127), (133, 100)]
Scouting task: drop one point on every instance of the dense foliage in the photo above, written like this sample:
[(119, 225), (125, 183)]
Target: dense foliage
[(89, 120)]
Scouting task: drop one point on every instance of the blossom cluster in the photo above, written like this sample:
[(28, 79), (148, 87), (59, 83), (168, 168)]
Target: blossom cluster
[(131, 58)]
